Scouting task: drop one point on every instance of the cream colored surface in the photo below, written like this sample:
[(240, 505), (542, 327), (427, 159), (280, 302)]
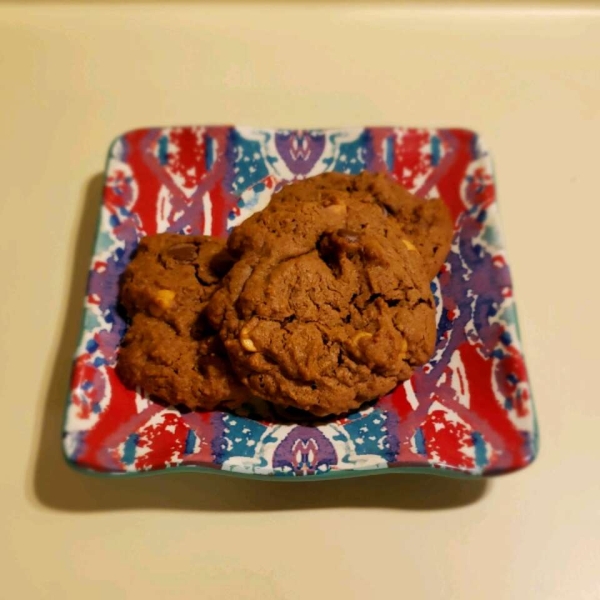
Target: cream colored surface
[(72, 77)]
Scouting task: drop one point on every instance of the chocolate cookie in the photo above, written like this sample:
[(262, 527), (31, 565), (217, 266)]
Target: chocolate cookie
[(328, 307), (170, 350), (426, 223)]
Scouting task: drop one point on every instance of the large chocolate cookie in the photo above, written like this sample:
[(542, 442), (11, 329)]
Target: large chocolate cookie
[(328, 307), (426, 223), (170, 350)]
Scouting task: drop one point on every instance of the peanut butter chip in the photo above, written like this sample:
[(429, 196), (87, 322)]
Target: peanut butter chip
[(246, 340), (403, 348), (336, 209), (360, 336), (162, 300)]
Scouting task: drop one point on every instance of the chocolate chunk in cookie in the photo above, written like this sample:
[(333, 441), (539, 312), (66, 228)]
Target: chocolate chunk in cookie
[(170, 350), (328, 307)]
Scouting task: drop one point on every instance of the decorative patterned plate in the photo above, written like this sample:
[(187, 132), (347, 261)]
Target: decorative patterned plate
[(468, 411)]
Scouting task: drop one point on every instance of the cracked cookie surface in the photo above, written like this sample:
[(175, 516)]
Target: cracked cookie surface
[(329, 305), (426, 223), (170, 350)]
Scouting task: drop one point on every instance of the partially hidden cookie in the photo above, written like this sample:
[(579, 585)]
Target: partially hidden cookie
[(170, 350), (426, 223), (329, 305)]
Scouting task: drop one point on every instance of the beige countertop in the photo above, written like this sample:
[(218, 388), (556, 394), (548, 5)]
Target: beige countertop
[(73, 76)]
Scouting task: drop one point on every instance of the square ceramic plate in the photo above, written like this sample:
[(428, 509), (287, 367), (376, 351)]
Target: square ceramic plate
[(468, 411)]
